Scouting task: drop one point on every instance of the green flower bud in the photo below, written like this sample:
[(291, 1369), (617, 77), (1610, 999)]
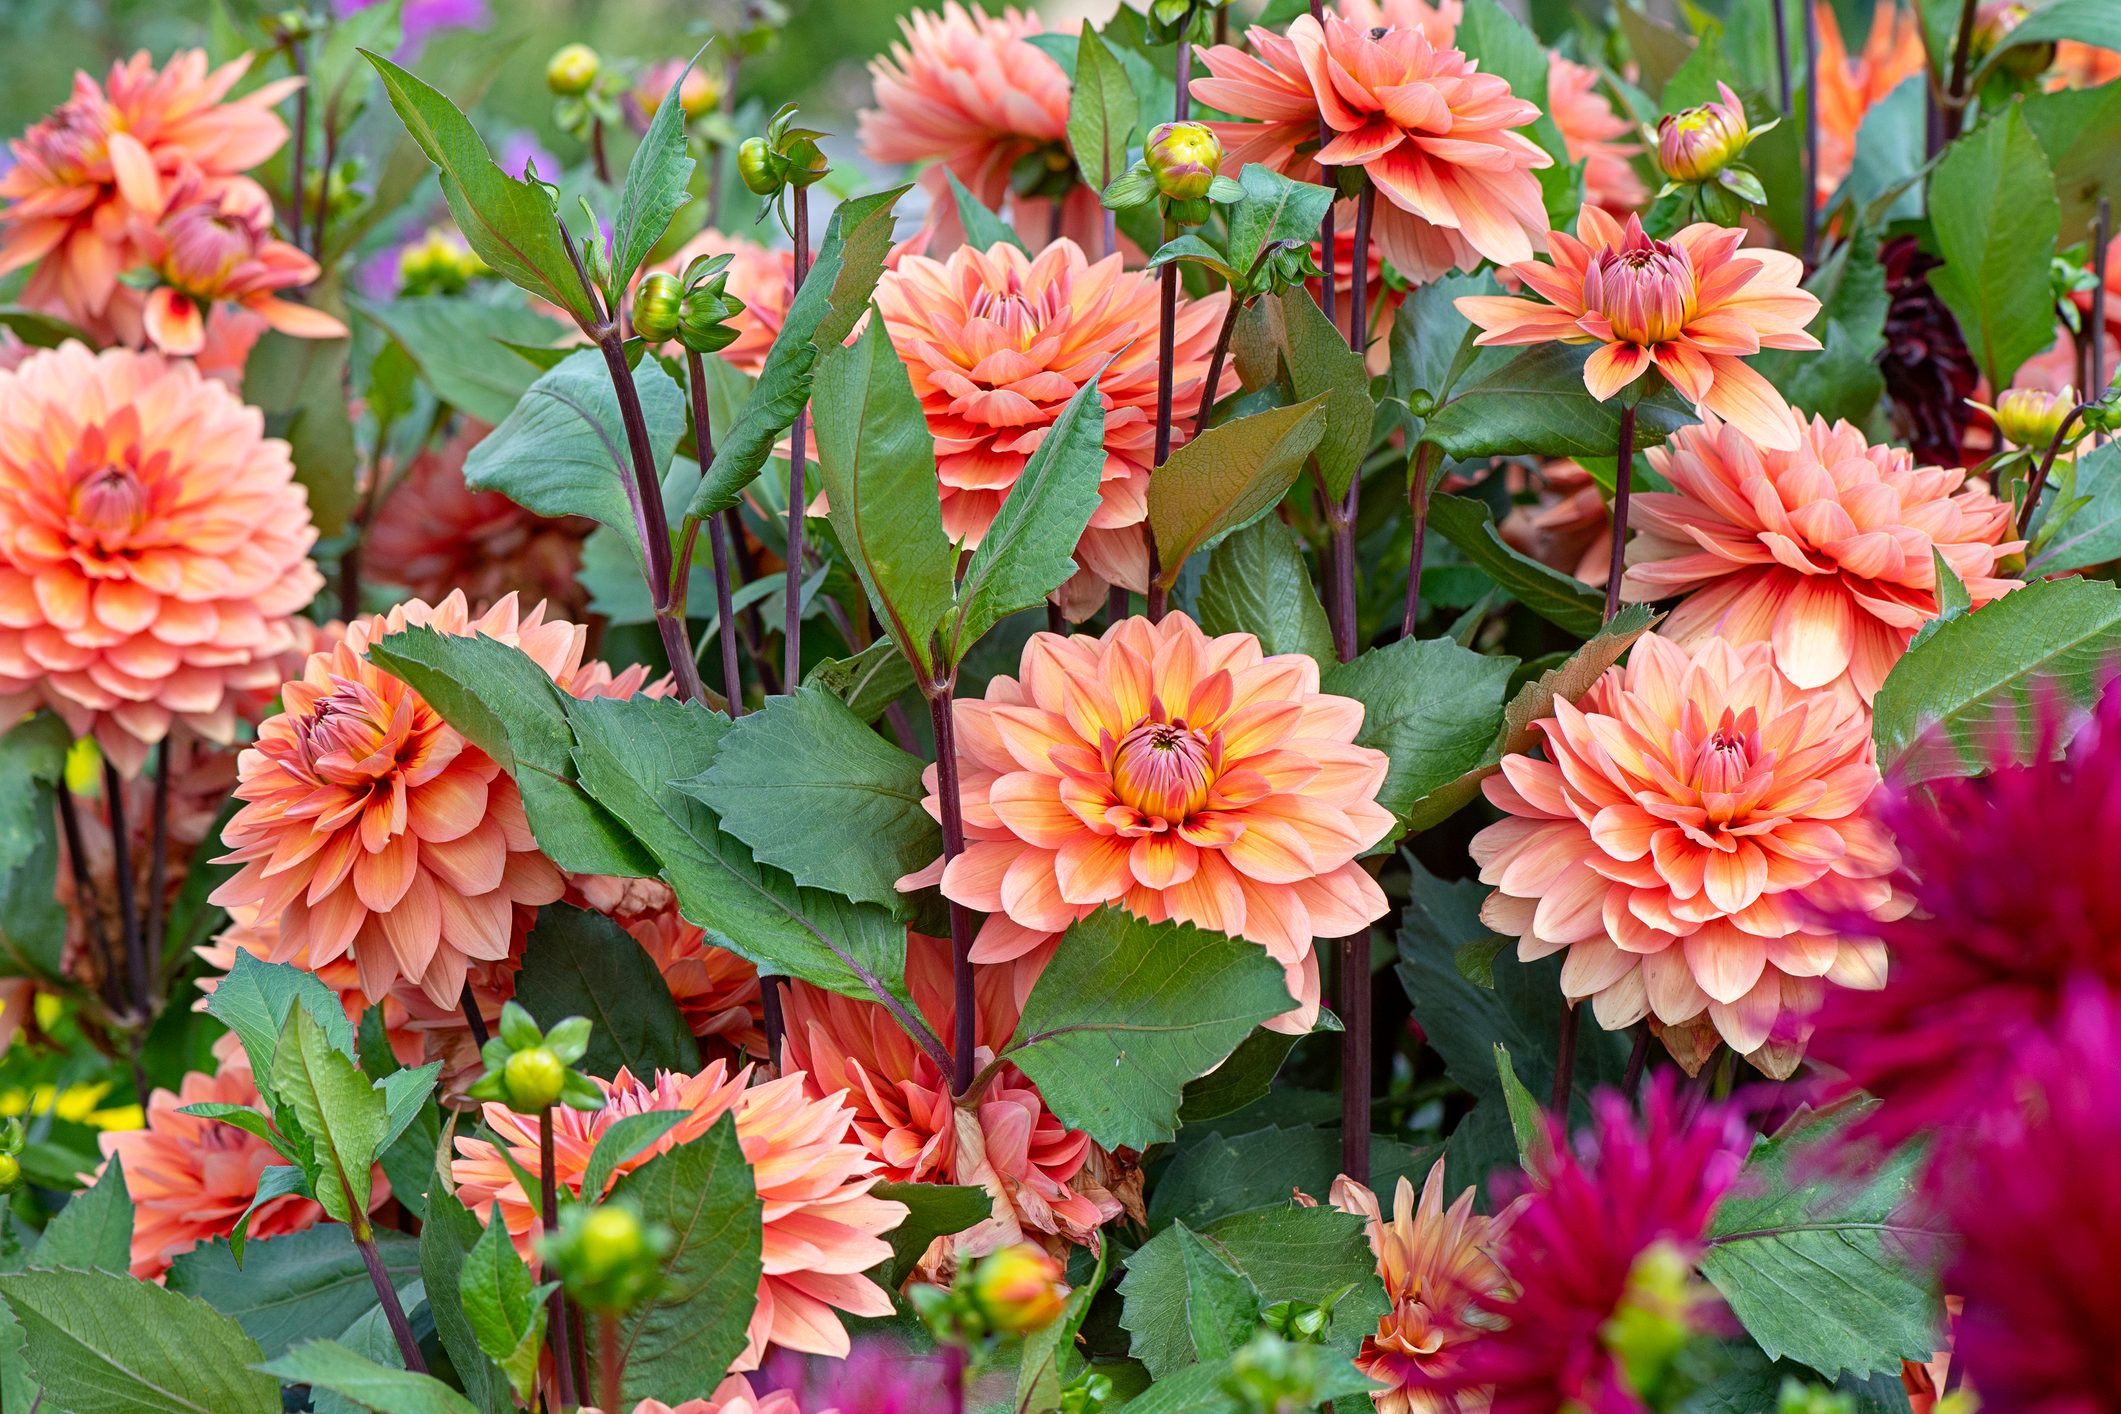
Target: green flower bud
[(1183, 157), (755, 164), (533, 1079), (572, 70), (607, 1258), (703, 319), (10, 1172), (655, 308)]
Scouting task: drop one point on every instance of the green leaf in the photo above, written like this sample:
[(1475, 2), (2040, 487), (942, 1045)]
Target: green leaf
[(1320, 364), (1102, 111), (455, 344), (823, 313), (1961, 699), (289, 1287), (1815, 1264), (505, 705), (1528, 1118), (628, 751), (405, 1093), (983, 229), (1562, 600), (32, 924), (1431, 706), (1536, 404), (1128, 1012), (1227, 475), (446, 1239), (1222, 1305), (511, 223), (655, 190), (1244, 1078), (38, 329), (1274, 208), (682, 1339), (1029, 550), (1432, 343), (278, 1181), (579, 963), (1256, 583), (1993, 208), (95, 1228), (328, 1365), (1215, 1175), (254, 1001), (300, 386), (622, 1141), (814, 791), (868, 682), (1890, 144), (932, 1210), (2080, 131), (342, 1118), (102, 1342), (562, 450), (2091, 534), (505, 1311), (1214, 1387), (2093, 22)]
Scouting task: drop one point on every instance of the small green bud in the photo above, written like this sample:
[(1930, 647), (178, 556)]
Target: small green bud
[(655, 308), (608, 1259), (754, 163), (534, 1079), (703, 319), (1183, 157), (571, 71), (10, 1172), (1019, 1289)]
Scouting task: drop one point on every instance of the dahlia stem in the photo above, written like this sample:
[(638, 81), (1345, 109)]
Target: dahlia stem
[(364, 1239), (1782, 53), (1184, 106), (1565, 1059), (1342, 520), (946, 787), (1638, 1056), (1328, 297), (1359, 297), (1117, 605), (85, 897), (596, 150), (2095, 332), (1215, 363), (1355, 1056), (549, 1215), (770, 1020), (157, 869), (1166, 337), (1419, 475), (1623, 477), (330, 155), (798, 457), (468, 1003), (1810, 177), (1955, 96), (717, 539), (298, 153), (1056, 217), (608, 1360), (121, 846), (2038, 480)]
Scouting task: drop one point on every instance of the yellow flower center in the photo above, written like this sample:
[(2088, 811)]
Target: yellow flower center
[(1646, 292), (1165, 769)]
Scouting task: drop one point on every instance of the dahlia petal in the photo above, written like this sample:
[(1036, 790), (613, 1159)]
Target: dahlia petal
[(1726, 962)]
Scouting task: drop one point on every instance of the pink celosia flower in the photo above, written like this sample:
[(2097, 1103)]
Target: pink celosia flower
[(1850, 87), (1595, 135), (1438, 1266), (372, 827), (1438, 138), (1693, 307), (997, 342), (1008, 1143), (84, 176), (2016, 902), (211, 250), (1823, 551), (969, 92), (823, 1230), (154, 546), (1599, 1215), (433, 534), (1176, 775), (758, 276), (1694, 814), (190, 1179), (716, 991)]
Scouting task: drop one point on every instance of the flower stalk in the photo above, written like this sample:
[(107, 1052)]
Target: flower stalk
[(1808, 176), (962, 1042), (798, 457), (556, 1304), (135, 940), (1420, 473), (387, 1295), (2038, 481), (717, 540), (1623, 477)]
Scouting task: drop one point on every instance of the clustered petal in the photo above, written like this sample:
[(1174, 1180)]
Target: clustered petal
[(1826, 550), (1176, 775), (154, 549), (996, 343), (823, 1228), (1694, 814)]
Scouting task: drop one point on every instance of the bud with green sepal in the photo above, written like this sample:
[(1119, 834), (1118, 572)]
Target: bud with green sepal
[(1019, 1289), (655, 306), (786, 159), (530, 1070), (1699, 149), (606, 1257), (12, 1138), (571, 70), (706, 307)]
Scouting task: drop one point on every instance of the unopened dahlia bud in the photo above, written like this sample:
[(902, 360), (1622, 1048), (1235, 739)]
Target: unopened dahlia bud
[(704, 319), (1696, 144), (701, 91), (655, 308), (754, 163), (534, 1079), (530, 1070), (2030, 417), (607, 1258), (570, 72), (1019, 1289), (1184, 158), (12, 1138)]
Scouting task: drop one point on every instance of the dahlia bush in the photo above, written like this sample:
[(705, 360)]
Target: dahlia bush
[(1179, 706)]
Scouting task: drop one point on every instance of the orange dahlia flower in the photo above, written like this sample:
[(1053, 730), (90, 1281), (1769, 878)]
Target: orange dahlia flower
[(372, 827), (1693, 307), (84, 176), (1438, 138), (1850, 86), (1176, 775), (1594, 135), (823, 1229), (1437, 1264), (1007, 1142), (154, 546), (1823, 551), (760, 277), (1567, 525), (716, 991), (1696, 819), (190, 1179), (997, 342), (434, 534), (219, 249), (969, 92)]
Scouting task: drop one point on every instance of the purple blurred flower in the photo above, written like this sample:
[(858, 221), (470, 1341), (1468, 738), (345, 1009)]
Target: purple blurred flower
[(424, 18), (877, 1377)]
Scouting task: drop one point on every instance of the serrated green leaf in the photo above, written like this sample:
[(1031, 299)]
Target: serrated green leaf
[(1562, 600), (1102, 111), (276, 1182), (455, 342), (32, 924), (1245, 1077), (95, 1228), (932, 1210), (983, 229), (1528, 1120), (2091, 534), (622, 1141), (446, 1239), (328, 1365), (1536, 404), (1431, 706), (502, 1305), (1992, 204), (254, 1001), (1222, 1305), (1256, 583), (1223, 478), (1274, 208), (342, 1118), (578, 963), (292, 1286), (102, 1342), (655, 189), (1214, 1175)]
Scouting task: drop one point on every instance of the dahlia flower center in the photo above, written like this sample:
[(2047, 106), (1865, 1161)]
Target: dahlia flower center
[(1019, 315), (109, 507), (1645, 292), (206, 246), (353, 737), (1164, 769)]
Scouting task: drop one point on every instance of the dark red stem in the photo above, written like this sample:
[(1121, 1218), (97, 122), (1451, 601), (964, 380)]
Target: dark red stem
[(1565, 1059), (1956, 96), (468, 1003), (717, 540), (157, 912), (387, 1297), (85, 899), (1418, 478), (1623, 477), (121, 845), (1215, 364), (298, 154), (1810, 176), (549, 1215), (2038, 482), (946, 788), (798, 459), (1355, 1056)]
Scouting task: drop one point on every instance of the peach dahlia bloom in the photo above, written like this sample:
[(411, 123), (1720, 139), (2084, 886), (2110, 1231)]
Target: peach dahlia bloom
[(717, 992), (104, 159), (1008, 1143), (371, 827), (1177, 776), (1438, 138), (759, 276), (1850, 86), (1594, 135), (823, 1229), (1824, 551), (1695, 818), (1437, 1264), (210, 250), (1693, 308), (997, 342), (154, 547)]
